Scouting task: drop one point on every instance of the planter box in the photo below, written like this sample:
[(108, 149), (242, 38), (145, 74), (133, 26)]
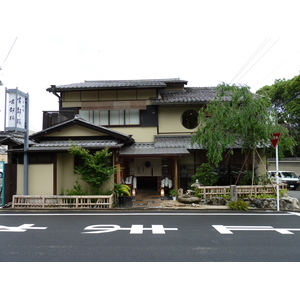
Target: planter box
[(125, 201)]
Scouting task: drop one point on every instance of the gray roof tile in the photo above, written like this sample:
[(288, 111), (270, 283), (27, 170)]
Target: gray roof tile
[(105, 84), (65, 145), (149, 149), (188, 95), (175, 141)]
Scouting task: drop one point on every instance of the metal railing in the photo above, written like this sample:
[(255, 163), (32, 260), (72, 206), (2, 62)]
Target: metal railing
[(59, 202)]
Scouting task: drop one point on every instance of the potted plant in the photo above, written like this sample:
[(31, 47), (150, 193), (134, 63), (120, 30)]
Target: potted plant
[(174, 194), (123, 193)]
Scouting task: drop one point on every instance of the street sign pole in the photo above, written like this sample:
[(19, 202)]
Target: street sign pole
[(277, 178), (274, 141)]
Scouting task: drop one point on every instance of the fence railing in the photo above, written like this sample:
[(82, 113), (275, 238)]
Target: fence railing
[(58, 202), (242, 190)]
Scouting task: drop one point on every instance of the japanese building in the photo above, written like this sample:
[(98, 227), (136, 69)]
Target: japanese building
[(146, 124)]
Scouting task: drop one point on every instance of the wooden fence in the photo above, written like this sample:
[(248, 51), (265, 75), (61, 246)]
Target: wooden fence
[(58, 202), (242, 190)]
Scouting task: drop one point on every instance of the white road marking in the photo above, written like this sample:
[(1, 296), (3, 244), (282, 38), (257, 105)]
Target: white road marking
[(21, 228), (134, 229), (145, 214), (228, 229)]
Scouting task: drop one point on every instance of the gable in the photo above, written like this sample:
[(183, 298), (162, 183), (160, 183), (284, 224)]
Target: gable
[(75, 131), (81, 129)]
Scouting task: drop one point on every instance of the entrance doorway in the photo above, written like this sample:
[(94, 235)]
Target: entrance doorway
[(147, 188), (147, 183)]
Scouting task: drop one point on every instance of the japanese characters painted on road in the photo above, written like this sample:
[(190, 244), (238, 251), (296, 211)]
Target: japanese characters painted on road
[(275, 139), (228, 229), (22, 228), (134, 229)]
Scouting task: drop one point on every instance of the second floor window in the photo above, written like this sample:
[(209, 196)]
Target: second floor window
[(111, 117)]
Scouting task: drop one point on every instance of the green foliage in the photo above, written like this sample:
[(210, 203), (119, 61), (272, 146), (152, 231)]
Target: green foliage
[(285, 95), (240, 118), (77, 190), (174, 192), (122, 189), (205, 175), (264, 196), (257, 179), (238, 205), (283, 192), (96, 169)]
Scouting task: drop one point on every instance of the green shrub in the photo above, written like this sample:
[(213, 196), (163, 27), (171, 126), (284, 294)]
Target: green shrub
[(205, 175), (122, 189), (77, 190), (238, 205), (264, 196)]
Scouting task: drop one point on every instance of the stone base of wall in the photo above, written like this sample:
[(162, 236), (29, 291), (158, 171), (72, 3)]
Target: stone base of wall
[(286, 203)]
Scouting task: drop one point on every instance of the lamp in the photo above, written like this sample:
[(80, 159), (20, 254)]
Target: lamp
[(162, 192), (133, 193)]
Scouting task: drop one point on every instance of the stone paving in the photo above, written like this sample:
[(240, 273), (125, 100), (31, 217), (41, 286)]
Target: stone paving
[(152, 200)]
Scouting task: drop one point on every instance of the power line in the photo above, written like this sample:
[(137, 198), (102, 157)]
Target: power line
[(8, 53), (261, 57), (251, 58), (277, 68)]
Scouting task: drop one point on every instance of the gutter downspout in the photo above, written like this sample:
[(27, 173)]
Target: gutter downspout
[(53, 91)]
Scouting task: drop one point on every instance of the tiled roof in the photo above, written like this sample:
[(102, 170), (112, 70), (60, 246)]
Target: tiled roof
[(163, 145), (175, 141), (188, 95), (103, 84), (65, 145), (149, 149), (15, 139)]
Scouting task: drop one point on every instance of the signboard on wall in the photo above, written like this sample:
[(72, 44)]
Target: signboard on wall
[(15, 110)]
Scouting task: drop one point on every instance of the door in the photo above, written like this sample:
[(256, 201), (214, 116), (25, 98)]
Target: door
[(10, 182)]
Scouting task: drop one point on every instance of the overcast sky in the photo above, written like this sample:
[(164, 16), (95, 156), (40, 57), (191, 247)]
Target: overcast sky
[(203, 42)]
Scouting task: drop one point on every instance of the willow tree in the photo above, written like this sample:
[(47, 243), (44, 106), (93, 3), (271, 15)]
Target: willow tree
[(237, 118)]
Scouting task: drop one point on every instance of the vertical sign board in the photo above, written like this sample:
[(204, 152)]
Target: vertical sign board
[(16, 119), (15, 110), (1, 182)]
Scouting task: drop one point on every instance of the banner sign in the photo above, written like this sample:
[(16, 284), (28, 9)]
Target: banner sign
[(15, 110)]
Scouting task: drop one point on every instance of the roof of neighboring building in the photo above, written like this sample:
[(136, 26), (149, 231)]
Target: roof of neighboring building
[(188, 95), (14, 138), (108, 84), (285, 159)]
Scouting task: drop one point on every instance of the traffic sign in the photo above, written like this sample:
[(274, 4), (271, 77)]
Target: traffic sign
[(275, 139)]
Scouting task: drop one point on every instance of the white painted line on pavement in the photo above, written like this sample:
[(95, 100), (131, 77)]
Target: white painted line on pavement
[(228, 229), (146, 214), (294, 213)]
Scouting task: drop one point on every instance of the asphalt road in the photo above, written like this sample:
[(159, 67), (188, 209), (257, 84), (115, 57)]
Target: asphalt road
[(149, 237), (294, 194)]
